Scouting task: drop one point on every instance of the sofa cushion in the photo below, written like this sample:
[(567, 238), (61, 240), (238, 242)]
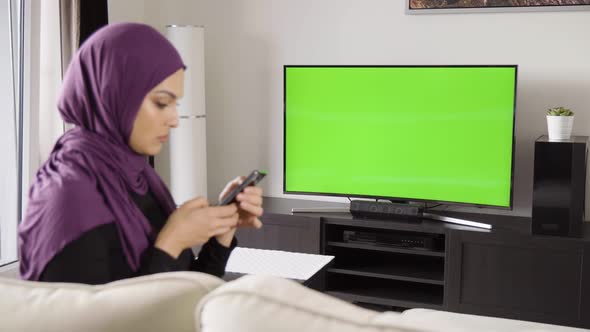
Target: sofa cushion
[(454, 322), (265, 303), (159, 302)]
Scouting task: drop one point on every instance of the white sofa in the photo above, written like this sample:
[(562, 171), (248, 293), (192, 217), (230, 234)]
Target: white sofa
[(191, 301), (160, 302), (258, 303)]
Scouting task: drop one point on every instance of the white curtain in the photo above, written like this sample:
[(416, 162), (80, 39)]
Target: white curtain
[(32, 124), (9, 127), (51, 126), (70, 30), (70, 35)]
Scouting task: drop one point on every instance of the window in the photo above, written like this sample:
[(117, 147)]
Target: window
[(11, 125), (30, 80)]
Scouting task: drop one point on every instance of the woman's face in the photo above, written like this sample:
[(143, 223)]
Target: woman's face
[(157, 114)]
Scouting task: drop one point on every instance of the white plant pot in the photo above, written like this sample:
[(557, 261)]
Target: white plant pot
[(559, 127)]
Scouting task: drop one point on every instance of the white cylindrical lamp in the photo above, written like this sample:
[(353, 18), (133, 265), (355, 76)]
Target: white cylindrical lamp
[(188, 149)]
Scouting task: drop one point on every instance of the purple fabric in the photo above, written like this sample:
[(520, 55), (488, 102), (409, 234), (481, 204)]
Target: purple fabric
[(88, 176)]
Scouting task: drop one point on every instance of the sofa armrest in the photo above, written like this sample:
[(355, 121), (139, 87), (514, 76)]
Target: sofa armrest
[(264, 303), (454, 322), (159, 302)]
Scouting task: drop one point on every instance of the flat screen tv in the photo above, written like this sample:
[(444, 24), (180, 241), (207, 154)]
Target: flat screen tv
[(441, 134)]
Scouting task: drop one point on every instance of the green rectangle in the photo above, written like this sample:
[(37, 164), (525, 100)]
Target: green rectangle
[(416, 133)]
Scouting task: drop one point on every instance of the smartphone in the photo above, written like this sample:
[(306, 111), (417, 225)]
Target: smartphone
[(251, 180)]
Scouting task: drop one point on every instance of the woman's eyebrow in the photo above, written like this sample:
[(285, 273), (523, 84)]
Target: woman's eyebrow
[(168, 93)]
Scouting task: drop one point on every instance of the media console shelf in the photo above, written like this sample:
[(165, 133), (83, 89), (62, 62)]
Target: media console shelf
[(503, 272), (375, 264)]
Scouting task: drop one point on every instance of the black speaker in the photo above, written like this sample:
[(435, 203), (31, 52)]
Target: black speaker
[(559, 186), (384, 209)]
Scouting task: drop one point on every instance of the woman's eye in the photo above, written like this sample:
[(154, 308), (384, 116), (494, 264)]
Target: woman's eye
[(161, 105)]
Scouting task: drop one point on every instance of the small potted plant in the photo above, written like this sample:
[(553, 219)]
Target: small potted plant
[(560, 121)]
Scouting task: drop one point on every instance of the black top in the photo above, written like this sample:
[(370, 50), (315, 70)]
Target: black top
[(97, 256)]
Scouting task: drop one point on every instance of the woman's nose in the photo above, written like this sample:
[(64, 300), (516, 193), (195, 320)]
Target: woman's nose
[(173, 122)]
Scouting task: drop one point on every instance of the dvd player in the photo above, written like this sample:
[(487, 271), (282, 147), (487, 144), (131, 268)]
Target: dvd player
[(431, 242)]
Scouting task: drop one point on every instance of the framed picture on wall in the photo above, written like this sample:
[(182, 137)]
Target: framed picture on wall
[(483, 6)]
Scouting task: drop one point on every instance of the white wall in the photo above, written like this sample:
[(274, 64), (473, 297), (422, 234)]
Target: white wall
[(126, 11), (248, 42)]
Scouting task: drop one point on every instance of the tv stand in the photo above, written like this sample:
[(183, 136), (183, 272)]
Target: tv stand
[(458, 221), (394, 264), (321, 210)]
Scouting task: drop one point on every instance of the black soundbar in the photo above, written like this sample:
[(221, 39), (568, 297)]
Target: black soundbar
[(384, 209)]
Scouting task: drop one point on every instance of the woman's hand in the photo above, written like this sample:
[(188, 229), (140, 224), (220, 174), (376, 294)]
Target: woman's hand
[(193, 223), (249, 208)]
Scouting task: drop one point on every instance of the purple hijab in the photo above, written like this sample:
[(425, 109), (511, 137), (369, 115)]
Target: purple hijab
[(88, 176)]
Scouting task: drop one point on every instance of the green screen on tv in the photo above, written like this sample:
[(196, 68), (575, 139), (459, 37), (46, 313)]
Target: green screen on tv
[(425, 133)]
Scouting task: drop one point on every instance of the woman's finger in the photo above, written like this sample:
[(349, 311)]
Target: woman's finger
[(252, 209), (252, 199), (223, 211), (254, 190), (257, 223), (225, 223), (251, 222), (219, 231)]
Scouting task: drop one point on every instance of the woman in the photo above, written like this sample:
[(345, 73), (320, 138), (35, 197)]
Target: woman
[(97, 211)]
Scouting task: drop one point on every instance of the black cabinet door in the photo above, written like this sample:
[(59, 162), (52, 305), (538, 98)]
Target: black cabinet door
[(585, 302), (283, 232), (519, 276)]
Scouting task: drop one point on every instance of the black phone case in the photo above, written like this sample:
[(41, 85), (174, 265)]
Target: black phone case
[(252, 179)]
